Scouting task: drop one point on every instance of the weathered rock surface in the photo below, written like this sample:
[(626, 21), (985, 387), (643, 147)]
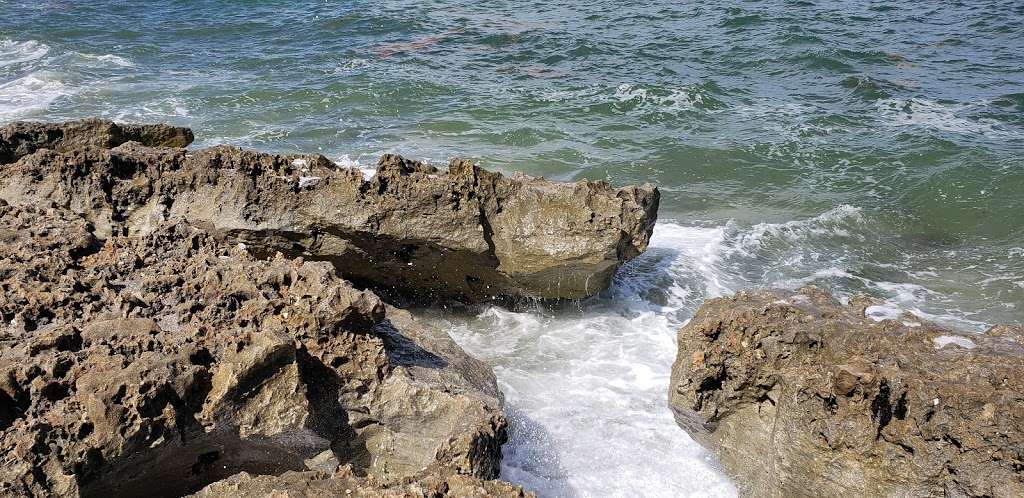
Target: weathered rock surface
[(802, 396), (23, 138), (159, 364), (411, 230), (344, 484)]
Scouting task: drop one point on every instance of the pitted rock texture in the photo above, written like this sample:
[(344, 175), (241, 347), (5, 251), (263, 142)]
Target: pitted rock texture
[(22, 138), (343, 485), (159, 364), (410, 231), (800, 395)]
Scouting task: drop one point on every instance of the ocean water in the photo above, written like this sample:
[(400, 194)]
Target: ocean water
[(870, 147)]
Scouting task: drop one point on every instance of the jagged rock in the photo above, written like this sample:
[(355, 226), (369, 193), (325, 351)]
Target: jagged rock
[(159, 364), (22, 138), (802, 396), (344, 484), (411, 230)]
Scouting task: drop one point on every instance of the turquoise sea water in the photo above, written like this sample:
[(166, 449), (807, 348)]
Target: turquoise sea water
[(860, 146)]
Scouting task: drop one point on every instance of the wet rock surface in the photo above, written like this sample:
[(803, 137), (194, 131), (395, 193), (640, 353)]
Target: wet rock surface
[(160, 364), (800, 395), (20, 139), (411, 231)]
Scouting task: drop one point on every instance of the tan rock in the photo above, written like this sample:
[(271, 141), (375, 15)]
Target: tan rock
[(411, 231), (842, 405), (159, 364)]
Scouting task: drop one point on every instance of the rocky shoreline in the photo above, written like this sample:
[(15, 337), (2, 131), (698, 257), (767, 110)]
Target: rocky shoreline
[(224, 322), (800, 395), (410, 231), (180, 321)]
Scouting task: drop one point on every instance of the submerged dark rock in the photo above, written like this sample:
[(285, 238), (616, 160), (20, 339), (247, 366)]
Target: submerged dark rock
[(22, 138), (157, 365), (800, 395), (411, 230)]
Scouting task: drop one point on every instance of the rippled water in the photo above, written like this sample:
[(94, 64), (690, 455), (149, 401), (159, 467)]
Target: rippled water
[(865, 147)]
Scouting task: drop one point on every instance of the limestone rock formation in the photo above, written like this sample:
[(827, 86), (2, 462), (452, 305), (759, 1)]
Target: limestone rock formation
[(800, 395), (159, 364), (23, 138), (411, 230), (344, 484)]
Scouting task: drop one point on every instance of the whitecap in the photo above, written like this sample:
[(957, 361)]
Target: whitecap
[(30, 94), (926, 113), (15, 52), (829, 223), (661, 100), (107, 59)]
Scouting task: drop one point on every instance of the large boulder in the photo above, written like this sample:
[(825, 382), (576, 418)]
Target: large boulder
[(22, 138), (411, 230), (800, 395), (157, 365)]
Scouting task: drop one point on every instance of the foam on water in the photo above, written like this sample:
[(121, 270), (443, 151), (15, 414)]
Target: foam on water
[(883, 312), (32, 93), (964, 342), (930, 114), (675, 100), (586, 390), (33, 76), (347, 162), (15, 52), (107, 59)]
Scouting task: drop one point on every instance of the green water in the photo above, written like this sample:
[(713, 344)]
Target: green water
[(861, 146)]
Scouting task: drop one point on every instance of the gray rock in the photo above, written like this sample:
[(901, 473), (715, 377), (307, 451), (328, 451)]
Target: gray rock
[(23, 138), (799, 395)]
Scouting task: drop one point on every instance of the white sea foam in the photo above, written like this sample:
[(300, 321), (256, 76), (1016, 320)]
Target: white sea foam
[(168, 108), (15, 52), (347, 162), (586, 391), (883, 312), (959, 340), (30, 94), (829, 223), (930, 114), (39, 76), (674, 100), (108, 59)]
